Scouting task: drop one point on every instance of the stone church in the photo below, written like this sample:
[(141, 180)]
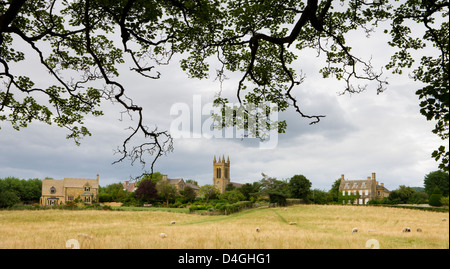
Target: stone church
[(221, 174)]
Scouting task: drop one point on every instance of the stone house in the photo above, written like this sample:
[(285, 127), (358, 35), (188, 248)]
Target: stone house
[(180, 184), (129, 186), (59, 192), (368, 189)]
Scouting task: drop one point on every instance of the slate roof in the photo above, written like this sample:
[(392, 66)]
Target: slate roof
[(355, 184)]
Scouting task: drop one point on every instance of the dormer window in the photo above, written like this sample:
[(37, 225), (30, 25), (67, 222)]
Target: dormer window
[(52, 190)]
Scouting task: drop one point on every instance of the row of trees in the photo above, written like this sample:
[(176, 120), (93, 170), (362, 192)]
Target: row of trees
[(155, 190), (152, 189), (14, 190)]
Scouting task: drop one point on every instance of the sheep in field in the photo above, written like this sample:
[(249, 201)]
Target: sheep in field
[(406, 230), (257, 229), (163, 235), (354, 230), (419, 230), (172, 222)]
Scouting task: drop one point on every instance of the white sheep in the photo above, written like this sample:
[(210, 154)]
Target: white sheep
[(354, 230), (257, 229), (419, 230), (444, 219), (406, 230), (163, 235), (292, 223), (172, 222)]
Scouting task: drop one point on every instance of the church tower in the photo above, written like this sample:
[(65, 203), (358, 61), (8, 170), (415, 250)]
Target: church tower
[(221, 173)]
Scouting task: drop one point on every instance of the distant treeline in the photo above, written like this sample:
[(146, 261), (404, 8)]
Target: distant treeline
[(14, 191)]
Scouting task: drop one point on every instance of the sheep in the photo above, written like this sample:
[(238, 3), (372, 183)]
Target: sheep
[(354, 230), (257, 229), (406, 230), (419, 230), (292, 223), (163, 235), (172, 222), (444, 219)]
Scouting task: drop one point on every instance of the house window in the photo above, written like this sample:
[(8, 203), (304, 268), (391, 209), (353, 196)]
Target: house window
[(343, 192), (346, 185), (378, 193), (87, 188), (354, 185), (87, 199), (364, 184), (52, 190), (219, 173), (367, 192)]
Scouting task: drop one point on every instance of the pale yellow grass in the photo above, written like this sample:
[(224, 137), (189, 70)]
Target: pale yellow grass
[(317, 226)]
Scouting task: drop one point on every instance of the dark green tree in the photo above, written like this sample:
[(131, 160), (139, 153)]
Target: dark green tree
[(229, 187), (299, 186), (166, 190), (250, 190), (435, 197), (8, 198), (334, 191), (403, 194), (232, 196), (438, 179), (208, 192), (188, 194), (270, 185)]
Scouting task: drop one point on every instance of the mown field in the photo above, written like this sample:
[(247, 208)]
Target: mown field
[(317, 227)]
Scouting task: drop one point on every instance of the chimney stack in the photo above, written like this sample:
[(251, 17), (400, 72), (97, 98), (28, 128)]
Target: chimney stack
[(373, 177), (342, 177)]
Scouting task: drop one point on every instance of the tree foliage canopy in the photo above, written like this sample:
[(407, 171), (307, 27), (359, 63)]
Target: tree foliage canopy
[(81, 44)]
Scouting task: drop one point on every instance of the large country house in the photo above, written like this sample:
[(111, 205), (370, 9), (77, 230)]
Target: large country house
[(368, 189), (58, 192)]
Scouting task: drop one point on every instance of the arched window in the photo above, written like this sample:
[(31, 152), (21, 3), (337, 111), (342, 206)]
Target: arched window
[(219, 173), (52, 190)]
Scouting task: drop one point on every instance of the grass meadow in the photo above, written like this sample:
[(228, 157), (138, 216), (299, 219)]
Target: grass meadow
[(317, 227)]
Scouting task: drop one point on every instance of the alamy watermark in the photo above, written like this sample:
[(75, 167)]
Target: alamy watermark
[(238, 121)]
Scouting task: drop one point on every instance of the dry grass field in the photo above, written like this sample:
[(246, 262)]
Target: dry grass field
[(317, 227)]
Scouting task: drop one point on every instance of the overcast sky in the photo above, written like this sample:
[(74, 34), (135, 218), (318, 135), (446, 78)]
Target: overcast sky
[(361, 133)]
